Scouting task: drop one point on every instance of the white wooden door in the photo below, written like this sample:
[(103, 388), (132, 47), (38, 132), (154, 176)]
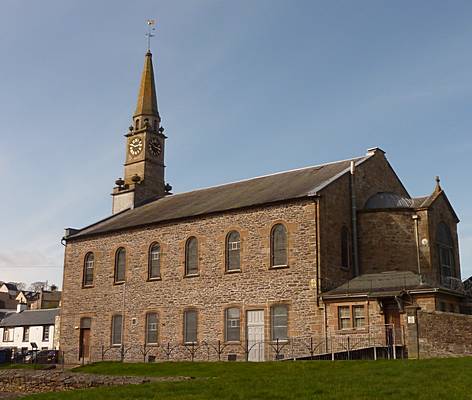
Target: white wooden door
[(255, 335)]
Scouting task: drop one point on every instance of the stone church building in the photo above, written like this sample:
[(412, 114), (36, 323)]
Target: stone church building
[(243, 269)]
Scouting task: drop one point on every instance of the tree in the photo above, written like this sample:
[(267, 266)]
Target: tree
[(37, 286), (20, 285)]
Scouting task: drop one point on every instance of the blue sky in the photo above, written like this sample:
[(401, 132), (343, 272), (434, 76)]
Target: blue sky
[(245, 88)]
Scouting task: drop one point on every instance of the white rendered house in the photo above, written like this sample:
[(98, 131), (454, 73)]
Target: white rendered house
[(20, 329)]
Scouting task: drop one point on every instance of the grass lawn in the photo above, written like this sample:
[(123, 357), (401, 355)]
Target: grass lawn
[(425, 379)]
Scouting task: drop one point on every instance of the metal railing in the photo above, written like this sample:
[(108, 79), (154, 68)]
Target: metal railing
[(370, 342)]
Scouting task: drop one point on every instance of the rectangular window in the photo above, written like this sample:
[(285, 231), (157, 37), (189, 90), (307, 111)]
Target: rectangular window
[(344, 317), (279, 322), (233, 331), (116, 330), (190, 326), (151, 328), (46, 333), (26, 330), (359, 316), (8, 334)]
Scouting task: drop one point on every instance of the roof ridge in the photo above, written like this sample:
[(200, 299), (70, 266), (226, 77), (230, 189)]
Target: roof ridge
[(267, 175)]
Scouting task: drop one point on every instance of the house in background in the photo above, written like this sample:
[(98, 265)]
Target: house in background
[(21, 328), (40, 300), (9, 287)]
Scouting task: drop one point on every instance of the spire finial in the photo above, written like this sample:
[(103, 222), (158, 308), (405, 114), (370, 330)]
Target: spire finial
[(150, 23), (438, 184)]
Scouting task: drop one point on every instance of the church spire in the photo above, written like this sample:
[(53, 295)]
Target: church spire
[(146, 106)]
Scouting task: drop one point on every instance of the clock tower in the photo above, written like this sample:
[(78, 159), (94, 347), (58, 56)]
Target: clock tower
[(143, 179)]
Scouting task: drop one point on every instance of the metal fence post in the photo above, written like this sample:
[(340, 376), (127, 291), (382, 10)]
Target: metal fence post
[(394, 344), (332, 349)]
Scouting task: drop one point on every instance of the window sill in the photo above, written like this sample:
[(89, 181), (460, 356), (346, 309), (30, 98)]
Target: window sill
[(88, 286), (238, 342), (278, 267), (349, 331), (157, 278), (190, 343), (116, 346), (283, 341), (119, 283), (152, 344), (233, 271), (191, 275)]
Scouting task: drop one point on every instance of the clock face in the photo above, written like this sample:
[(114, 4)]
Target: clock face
[(135, 146), (155, 147)]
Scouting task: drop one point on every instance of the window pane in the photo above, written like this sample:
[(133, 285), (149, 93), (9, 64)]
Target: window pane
[(151, 327), (359, 316), (117, 325), (120, 265), (88, 269), (190, 328), (279, 245), (344, 317), (155, 261), (191, 256), (85, 323), (279, 322), (26, 334), (233, 324), (233, 251), (46, 333)]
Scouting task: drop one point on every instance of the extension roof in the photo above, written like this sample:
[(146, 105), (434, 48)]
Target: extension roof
[(30, 318), (384, 284), (295, 184)]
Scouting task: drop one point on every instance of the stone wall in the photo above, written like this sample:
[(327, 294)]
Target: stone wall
[(257, 286), (387, 241), (444, 334), (35, 381)]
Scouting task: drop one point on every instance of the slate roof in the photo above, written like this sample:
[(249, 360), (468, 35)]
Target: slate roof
[(385, 200), (30, 318), (299, 183), (389, 283), (10, 286)]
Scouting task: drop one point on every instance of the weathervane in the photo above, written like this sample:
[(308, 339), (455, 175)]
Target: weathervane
[(150, 23)]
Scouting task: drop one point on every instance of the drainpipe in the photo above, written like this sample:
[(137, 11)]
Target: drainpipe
[(318, 248), (355, 246), (416, 218)]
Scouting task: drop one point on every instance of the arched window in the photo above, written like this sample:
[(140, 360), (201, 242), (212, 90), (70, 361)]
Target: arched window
[(233, 251), (278, 246), (136, 124), (445, 246), (88, 269), (120, 265), (154, 267), (191, 256), (345, 248)]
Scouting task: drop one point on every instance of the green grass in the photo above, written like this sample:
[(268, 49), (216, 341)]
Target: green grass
[(424, 379)]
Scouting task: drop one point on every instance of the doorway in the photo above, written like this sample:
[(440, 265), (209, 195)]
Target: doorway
[(255, 335), (84, 340)]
